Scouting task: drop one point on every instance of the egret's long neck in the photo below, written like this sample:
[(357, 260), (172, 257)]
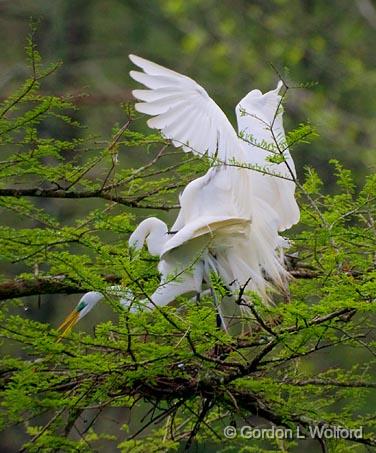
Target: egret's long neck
[(154, 232)]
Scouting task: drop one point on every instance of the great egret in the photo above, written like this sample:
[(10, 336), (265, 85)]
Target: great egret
[(229, 218)]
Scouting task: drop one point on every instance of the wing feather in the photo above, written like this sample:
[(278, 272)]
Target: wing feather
[(176, 102), (154, 95), (209, 226), (159, 106), (176, 124), (169, 118), (153, 82)]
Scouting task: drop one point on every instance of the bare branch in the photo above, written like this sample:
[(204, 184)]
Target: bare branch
[(58, 284), (61, 193)]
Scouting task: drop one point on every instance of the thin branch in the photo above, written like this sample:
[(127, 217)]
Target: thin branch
[(330, 382)]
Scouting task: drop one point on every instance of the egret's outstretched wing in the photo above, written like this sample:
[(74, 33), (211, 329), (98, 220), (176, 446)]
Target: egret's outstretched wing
[(260, 123), (184, 112)]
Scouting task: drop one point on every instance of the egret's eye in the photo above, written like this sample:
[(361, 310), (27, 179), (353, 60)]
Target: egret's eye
[(81, 306)]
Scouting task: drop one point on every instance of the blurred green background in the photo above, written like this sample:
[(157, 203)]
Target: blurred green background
[(227, 46), (230, 47)]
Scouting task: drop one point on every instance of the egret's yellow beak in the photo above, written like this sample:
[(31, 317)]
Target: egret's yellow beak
[(68, 323)]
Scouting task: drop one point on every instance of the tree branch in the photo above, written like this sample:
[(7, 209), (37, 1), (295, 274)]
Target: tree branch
[(70, 194), (58, 284)]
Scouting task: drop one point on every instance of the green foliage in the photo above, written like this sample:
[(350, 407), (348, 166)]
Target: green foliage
[(188, 378)]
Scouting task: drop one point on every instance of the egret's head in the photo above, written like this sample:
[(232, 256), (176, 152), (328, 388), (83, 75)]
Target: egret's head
[(87, 303), (260, 106), (83, 307)]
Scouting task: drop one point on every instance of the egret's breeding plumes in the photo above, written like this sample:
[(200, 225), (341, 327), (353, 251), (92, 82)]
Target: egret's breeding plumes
[(230, 218)]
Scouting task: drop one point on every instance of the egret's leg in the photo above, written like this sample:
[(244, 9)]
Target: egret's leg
[(220, 319)]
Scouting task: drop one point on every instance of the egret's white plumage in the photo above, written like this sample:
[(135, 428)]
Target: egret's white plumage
[(259, 118), (228, 189), (189, 256), (152, 231), (184, 112)]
